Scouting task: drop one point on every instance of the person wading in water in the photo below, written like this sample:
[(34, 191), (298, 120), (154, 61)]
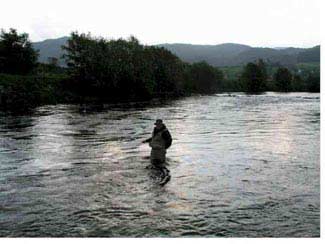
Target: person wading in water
[(160, 141)]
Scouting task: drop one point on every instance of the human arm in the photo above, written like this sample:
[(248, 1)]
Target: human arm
[(147, 140)]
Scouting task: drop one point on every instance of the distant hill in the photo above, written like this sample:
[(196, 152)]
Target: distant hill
[(50, 48), (228, 54), (309, 55), (217, 55)]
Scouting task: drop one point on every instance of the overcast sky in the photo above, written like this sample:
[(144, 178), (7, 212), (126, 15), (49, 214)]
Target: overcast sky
[(271, 23)]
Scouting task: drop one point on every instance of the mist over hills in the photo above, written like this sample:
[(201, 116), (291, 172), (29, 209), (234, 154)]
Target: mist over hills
[(227, 54)]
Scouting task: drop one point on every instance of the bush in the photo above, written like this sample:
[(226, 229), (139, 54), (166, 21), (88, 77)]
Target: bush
[(24, 92), (253, 77), (283, 79), (313, 83), (203, 78), (17, 55)]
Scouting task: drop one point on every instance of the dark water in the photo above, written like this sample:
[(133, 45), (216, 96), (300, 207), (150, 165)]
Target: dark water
[(241, 166)]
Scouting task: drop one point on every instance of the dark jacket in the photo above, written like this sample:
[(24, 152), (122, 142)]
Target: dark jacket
[(165, 135)]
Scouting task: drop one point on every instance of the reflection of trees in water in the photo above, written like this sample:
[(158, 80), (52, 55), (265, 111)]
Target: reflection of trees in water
[(16, 123)]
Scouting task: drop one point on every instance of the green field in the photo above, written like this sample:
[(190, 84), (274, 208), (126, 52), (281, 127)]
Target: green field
[(233, 72), (313, 67)]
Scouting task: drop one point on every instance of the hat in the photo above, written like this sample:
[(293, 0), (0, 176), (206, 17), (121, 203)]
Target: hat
[(158, 121)]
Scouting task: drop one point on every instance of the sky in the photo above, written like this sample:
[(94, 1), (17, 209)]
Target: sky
[(260, 23)]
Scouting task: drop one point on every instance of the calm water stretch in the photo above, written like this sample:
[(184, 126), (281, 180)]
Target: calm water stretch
[(241, 166)]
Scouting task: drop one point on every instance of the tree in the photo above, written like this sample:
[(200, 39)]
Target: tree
[(204, 78), (297, 83), (254, 77), (313, 83), (283, 79), (262, 66), (167, 70), (130, 69), (17, 55), (115, 69)]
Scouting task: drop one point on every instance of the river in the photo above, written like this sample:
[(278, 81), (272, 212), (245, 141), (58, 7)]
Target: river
[(241, 166)]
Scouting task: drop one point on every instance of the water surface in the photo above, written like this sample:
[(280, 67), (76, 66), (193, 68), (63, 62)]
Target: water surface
[(241, 166)]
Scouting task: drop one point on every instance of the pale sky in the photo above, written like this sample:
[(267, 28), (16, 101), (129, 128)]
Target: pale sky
[(267, 23)]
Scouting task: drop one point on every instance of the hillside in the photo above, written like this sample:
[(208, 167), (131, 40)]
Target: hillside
[(50, 48), (228, 54), (217, 55), (309, 55)]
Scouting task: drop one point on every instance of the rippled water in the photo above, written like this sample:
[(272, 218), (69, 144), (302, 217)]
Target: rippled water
[(241, 166)]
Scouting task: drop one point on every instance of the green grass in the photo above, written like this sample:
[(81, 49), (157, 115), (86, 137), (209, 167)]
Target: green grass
[(315, 67)]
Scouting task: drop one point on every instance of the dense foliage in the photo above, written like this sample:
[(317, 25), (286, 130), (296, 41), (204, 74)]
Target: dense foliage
[(123, 70), (108, 69), (203, 78), (313, 83), (283, 79), (16, 53), (21, 92), (305, 78), (254, 77)]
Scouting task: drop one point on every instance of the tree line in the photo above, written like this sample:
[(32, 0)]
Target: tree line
[(124, 69), (255, 79)]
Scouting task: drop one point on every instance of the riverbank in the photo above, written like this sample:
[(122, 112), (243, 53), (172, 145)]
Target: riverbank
[(19, 93)]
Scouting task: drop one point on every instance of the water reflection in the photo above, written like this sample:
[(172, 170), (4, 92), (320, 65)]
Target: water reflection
[(240, 165)]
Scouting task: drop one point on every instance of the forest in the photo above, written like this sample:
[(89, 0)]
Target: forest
[(122, 70)]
